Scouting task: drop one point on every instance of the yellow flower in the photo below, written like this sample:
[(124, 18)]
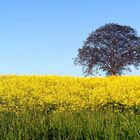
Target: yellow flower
[(20, 93)]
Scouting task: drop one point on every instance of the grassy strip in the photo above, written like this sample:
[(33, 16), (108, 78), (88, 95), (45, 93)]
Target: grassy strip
[(82, 125)]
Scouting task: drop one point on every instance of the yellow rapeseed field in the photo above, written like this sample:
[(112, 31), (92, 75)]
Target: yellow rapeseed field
[(21, 93)]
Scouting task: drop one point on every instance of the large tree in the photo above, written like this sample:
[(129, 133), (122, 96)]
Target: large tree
[(111, 48)]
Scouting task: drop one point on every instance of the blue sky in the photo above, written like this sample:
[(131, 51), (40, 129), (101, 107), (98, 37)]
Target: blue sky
[(42, 36)]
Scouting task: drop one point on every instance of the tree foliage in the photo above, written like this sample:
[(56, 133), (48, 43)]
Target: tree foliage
[(111, 48)]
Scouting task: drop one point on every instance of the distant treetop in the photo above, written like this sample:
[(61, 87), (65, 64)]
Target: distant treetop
[(111, 48)]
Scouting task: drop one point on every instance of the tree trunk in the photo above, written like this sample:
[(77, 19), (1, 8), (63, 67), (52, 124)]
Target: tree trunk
[(112, 72)]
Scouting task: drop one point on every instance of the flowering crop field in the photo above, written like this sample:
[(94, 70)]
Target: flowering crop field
[(72, 108), (20, 93)]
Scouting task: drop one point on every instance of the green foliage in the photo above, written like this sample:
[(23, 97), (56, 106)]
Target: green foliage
[(82, 125)]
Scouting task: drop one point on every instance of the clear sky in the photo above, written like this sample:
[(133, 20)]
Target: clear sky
[(42, 36)]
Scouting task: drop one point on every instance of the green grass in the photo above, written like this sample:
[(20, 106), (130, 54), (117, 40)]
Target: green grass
[(82, 125)]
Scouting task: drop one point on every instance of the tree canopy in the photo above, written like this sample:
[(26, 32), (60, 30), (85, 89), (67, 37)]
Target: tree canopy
[(111, 48)]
